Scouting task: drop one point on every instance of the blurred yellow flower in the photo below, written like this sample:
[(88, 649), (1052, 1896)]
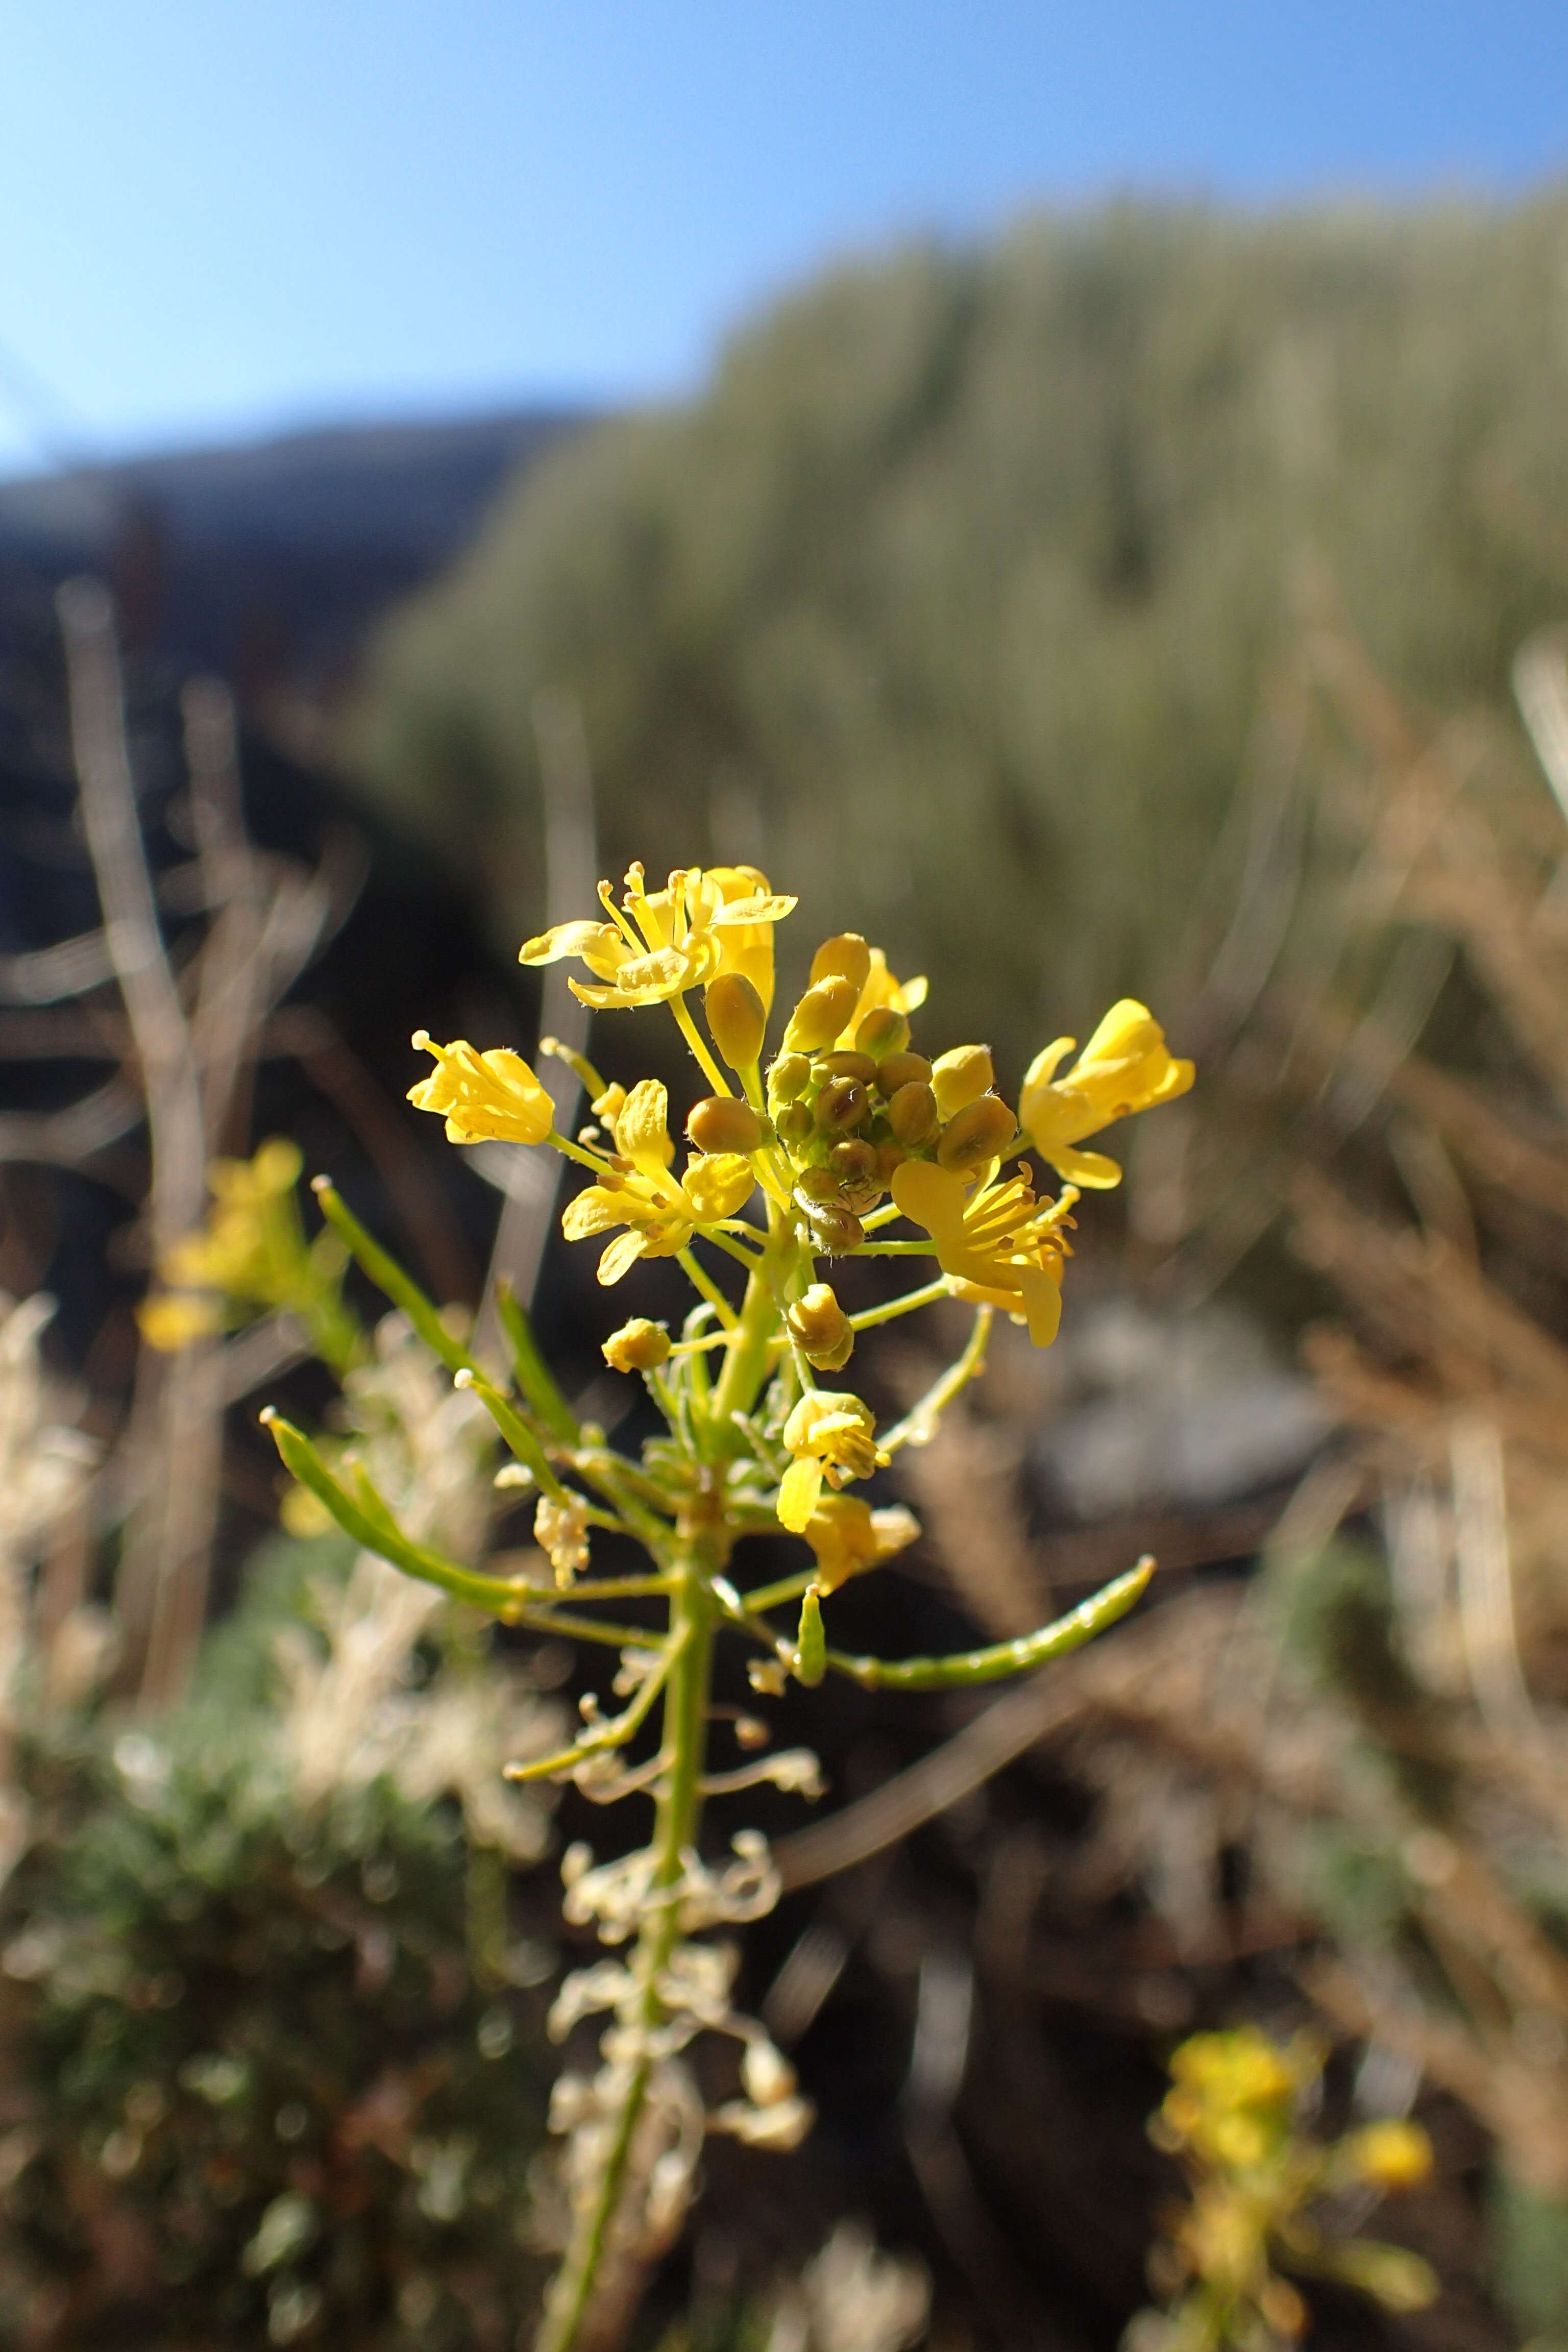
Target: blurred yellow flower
[(169, 1319), (848, 1537), (488, 1097), (994, 1243), (1389, 2154), (658, 944), (832, 1436), (1124, 1068)]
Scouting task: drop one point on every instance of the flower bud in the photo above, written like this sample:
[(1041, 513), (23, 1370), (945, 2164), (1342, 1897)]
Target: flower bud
[(795, 1123), (846, 957), (820, 1328), (961, 1077), (813, 1186), (842, 1103), (844, 1066), (737, 1018), (836, 1231), (767, 2076), (639, 1345), (853, 1162), (981, 1131), (724, 1123), (788, 1077), (820, 1015), (1389, 2154), (884, 1030), (890, 1155), (895, 1070), (913, 1116)]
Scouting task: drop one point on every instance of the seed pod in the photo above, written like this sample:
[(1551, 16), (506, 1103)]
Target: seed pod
[(789, 1078), (981, 1131), (842, 1103), (961, 1077), (843, 1066), (884, 1030), (795, 1123), (737, 1018), (913, 1116), (821, 1328), (895, 1070), (639, 1345), (853, 1162), (820, 1015), (836, 1231), (810, 1641), (724, 1123), (847, 957)]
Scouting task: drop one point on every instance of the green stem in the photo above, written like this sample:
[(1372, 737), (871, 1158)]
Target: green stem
[(747, 1364), (905, 1306), (676, 1825), (701, 1279)]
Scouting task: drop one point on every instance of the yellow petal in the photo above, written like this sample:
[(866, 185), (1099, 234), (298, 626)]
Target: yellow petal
[(642, 1129), (718, 1184), (595, 1209), (1091, 1168), (798, 1493), (930, 1196), (589, 940), (620, 1257)]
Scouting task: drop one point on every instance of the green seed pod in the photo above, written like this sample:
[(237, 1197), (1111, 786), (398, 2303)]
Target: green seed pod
[(788, 1079), (895, 1070), (961, 1077), (724, 1123), (981, 1131), (639, 1345), (913, 1116), (836, 1231), (820, 1015), (842, 1103), (882, 1032), (843, 1066), (846, 957), (853, 1162), (737, 1018), (811, 1642), (795, 1123)]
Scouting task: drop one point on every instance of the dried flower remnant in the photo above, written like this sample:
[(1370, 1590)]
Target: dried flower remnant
[(848, 1141)]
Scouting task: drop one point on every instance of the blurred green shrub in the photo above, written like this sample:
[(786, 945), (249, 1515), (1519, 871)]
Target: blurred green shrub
[(955, 591), (258, 2090)]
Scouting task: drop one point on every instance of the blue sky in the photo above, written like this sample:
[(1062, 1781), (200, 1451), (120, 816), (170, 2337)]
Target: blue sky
[(228, 219)]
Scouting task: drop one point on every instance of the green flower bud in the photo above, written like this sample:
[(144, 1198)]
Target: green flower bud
[(789, 1078), (895, 1070), (836, 1231), (737, 1018), (724, 1123), (853, 1162), (821, 1328), (795, 1123), (883, 1032), (843, 1066), (842, 1103), (913, 1116), (981, 1131)]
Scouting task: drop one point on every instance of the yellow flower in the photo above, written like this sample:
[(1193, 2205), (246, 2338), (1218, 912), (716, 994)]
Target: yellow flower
[(169, 1319), (1389, 2154), (657, 1213), (993, 1242), (848, 1537), (483, 1096), (1124, 1068), (251, 1245), (658, 944), (832, 1436)]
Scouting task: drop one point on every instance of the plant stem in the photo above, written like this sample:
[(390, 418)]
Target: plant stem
[(679, 1807)]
